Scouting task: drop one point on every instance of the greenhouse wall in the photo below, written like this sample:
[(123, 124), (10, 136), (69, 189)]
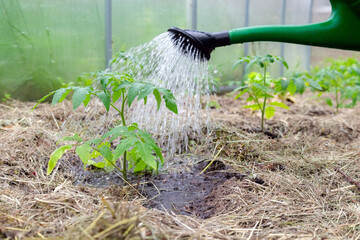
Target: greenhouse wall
[(47, 43)]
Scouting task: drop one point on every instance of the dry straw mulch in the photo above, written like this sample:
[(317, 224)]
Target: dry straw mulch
[(300, 178)]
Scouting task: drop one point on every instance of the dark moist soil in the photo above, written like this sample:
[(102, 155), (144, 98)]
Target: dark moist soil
[(188, 193)]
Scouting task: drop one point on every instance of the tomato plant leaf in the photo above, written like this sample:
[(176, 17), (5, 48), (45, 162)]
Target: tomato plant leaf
[(300, 85), (279, 104), (124, 145), (105, 98), (170, 101), (139, 166), (84, 153), (71, 138), (87, 100), (55, 156), (79, 96), (145, 153), (285, 83), (253, 107), (60, 95), (106, 152), (43, 99), (329, 102), (133, 92), (157, 96), (291, 88), (269, 112), (145, 91)]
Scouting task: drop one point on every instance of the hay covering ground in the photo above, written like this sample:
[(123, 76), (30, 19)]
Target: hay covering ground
[(295, 185)]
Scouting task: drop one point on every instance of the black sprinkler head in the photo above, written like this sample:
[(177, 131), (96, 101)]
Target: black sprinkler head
[(200, 44)]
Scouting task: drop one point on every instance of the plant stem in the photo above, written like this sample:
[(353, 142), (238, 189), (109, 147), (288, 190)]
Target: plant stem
[(121, 112), (264, 105), (337, 99), (108, 160), (124, 171), (124, 123)]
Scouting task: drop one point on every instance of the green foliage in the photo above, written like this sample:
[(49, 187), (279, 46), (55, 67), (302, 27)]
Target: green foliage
[(342, 77), (258, 86), (137, 148), (6, 97), (296, 82)]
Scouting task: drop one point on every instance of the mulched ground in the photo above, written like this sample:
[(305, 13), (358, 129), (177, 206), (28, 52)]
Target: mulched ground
[(297, 180)]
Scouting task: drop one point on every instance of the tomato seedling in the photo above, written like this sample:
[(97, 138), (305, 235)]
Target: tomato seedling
[(136, 146), (258, 86)]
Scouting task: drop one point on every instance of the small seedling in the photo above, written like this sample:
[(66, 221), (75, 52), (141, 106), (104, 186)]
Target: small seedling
[(6, 97), (137, 148), (258, 86), (342, 78)]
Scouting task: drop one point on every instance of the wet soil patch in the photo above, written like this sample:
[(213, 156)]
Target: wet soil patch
[(183, 193), (186, 192)]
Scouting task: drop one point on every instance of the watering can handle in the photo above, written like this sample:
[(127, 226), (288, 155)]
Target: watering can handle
[(341, 31)]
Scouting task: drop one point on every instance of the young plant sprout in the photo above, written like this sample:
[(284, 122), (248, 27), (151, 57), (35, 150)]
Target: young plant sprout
[(258, 86), (135, 146), (342, 78)]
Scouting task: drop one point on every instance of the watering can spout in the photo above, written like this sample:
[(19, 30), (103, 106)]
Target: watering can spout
[(341, 31), (199, 44)]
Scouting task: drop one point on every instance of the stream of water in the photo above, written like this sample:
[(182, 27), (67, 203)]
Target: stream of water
[(190, 80)]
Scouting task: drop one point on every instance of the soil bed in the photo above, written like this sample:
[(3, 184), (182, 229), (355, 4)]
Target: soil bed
[(296, 181)]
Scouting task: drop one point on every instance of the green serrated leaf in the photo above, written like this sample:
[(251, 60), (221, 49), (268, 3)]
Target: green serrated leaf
[(241, 60), (104, 82), (253, 107), (291, 87), (269, 112), (315, 85), (170, 101), (116, 95), (84, 153), (300, 85), (146, 90), (96, 164), (145, 153), (240, 94), (79, 96), (285, 83), (106, 152), (147, 138), (124, 145), (250, 98), (329, 102), (105, 98), (133, 128), (95, 141), (43, 99), (157, 96), (117, 131), (87, 100), (55, 156), (133, 92), (279, 104), (139, 166), (71, 138), (60, 95), (123, 86), (262, 87)]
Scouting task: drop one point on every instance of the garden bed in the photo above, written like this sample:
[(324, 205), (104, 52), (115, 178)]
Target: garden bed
[(296, 180)]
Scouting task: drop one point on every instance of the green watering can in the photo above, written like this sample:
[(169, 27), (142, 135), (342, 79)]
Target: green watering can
[(341, 30)]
